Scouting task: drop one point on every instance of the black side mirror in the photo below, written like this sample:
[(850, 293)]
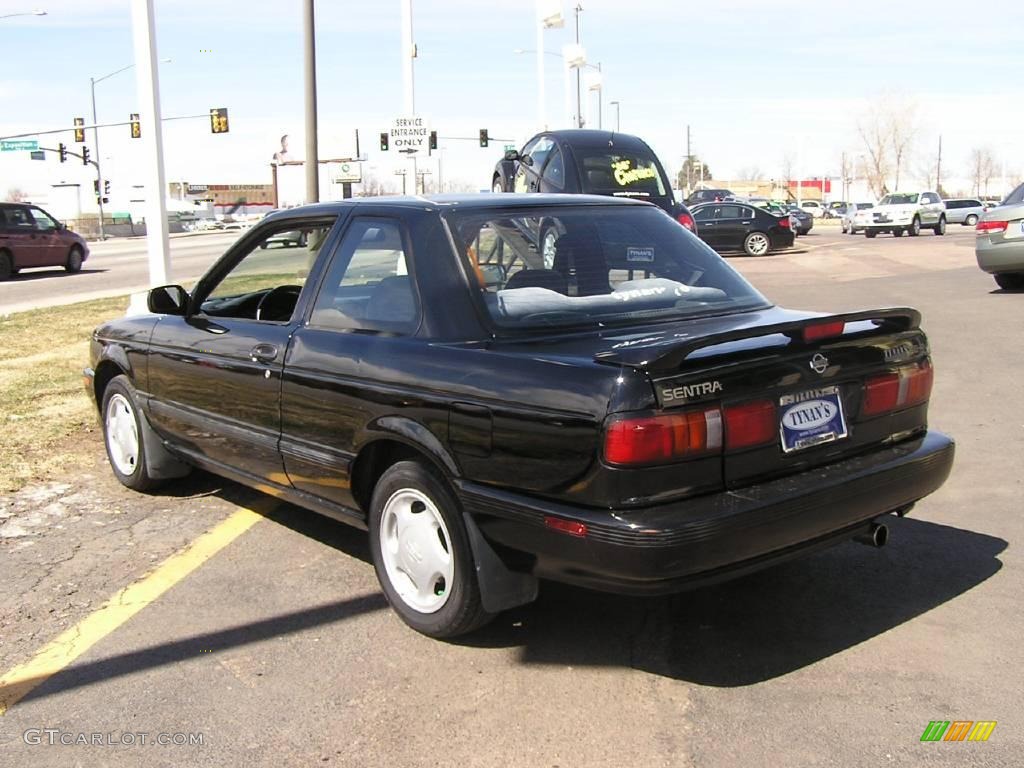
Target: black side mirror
[(526, 160), (511, 154), (168, 300)]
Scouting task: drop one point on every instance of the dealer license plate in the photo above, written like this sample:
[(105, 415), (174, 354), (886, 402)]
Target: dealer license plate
[(811, 418)]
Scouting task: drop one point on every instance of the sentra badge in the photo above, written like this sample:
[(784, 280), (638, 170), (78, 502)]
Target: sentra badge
[(688, 391)]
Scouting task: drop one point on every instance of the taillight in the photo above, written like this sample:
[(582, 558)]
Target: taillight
[(903, 389), (686, 220), (823, 331), (664, 438), (750, 424), (990, 227), (784, 222)]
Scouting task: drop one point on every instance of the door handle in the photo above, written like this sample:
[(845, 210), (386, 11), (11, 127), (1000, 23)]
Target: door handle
[(263, 353)]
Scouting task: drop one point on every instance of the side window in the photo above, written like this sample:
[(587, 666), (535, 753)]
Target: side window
[(18, 217), (368, 285), (704, 214), (43, 221), (539, 153), (265, 284), (730, 212), (931, 198), (554, 171)]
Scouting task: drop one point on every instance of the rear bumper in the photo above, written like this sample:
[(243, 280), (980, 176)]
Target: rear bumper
[(671, 547), (1007, 256)]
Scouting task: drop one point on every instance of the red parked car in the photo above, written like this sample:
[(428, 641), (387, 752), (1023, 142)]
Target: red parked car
[(30, 237)]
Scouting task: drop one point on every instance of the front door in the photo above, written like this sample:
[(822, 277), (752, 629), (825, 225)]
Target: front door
[(215, 375)]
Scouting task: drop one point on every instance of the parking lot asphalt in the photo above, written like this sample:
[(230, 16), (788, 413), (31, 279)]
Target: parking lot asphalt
[(279, 648)]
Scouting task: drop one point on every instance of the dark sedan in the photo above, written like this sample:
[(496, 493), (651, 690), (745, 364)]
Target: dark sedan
[(30, 237), (593, 163), (804, 219), (636, 418), (741, 227)]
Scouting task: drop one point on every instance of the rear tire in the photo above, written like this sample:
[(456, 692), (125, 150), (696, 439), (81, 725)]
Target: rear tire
[(74, 262), (421, 552), (756, 244), (971, 220), (6, 266), (870, 232), (1010, 281), (940, 228), (898, 232)]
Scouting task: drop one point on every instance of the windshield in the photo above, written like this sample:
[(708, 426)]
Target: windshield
[(594, 266), (899, 200), (864, 206), (606, 172)]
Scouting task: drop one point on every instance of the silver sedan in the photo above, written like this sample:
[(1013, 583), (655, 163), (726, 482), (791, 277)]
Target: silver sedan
[(999, 245)]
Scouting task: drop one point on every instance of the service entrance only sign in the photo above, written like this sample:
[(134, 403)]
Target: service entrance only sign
[(410, 133)]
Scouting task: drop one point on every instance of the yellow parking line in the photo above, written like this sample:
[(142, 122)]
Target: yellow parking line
[(69, 645)]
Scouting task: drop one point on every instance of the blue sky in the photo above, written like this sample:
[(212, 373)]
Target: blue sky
[(758, 82)]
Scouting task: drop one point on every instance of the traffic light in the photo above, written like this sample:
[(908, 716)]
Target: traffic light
[(95, 186), (483, 137), (106, 187), (219, 120), (137, 127), (383, 142), (62, 151), (433, 139), (80, 130), (85, 155)]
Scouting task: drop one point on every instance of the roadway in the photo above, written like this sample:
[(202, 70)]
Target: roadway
[(114, 268)]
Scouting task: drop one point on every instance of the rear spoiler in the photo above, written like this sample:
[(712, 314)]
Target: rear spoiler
[(666, 355)]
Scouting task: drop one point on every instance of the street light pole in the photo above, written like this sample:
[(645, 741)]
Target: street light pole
[(99, 163), (579, 94), (309, 55)]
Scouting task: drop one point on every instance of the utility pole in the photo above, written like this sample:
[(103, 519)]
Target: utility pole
[(309, 55), (938, 168), (689, 163), (579, 93), (408, 59)]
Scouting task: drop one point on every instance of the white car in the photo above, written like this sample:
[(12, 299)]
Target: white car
[(856, 217), (909, 212), (814, 208)]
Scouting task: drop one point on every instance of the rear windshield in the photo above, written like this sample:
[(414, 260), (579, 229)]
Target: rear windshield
[(605, 172), (594, 266)]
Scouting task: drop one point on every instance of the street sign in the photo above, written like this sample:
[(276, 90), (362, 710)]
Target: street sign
[(349, 173), (38, 154), (19, 145), (412, 132)]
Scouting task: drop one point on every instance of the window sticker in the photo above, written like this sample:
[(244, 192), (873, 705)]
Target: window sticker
[(639, 255), (624, 175)]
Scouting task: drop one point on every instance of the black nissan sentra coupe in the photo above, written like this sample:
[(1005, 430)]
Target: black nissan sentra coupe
[(633, 417)]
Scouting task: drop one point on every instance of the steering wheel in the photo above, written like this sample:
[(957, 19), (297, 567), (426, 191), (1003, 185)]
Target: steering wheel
[(278, 303)]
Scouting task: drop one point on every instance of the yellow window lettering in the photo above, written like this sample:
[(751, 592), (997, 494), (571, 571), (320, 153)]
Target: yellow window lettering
[(625, 175)]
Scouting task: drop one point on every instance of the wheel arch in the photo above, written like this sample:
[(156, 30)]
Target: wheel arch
[(107, 369)]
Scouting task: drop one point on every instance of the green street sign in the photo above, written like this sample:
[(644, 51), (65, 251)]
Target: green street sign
[(19, 145), (509, 146)]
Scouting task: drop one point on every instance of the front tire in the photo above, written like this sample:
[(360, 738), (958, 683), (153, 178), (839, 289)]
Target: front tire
[(421, 552), (870, 233), (915, 227), (756, 244), (74, 262), (548, 237), (898, 232), (940, 228), (496, 185), (1010, 281), (122, 435)]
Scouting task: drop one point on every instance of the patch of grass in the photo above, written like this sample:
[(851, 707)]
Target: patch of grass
[(45, 406)]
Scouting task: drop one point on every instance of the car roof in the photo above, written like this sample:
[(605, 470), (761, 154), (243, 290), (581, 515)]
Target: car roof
[(585, 137), (449, 202)]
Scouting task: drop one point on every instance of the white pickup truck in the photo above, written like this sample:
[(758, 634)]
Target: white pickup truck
[(908, 212)]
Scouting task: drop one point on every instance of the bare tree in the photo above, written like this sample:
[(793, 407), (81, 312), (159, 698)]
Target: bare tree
[(902, 127), (751, 173), (982, 167), (874, 131), (846, 173), (16, 195), (787, 168)]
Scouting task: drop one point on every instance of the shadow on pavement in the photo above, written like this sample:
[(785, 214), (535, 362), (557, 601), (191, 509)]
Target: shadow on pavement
[(38, 274), (759, 627)]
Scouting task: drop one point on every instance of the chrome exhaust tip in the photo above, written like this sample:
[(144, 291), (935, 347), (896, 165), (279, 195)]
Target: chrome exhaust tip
[(876, 536)]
